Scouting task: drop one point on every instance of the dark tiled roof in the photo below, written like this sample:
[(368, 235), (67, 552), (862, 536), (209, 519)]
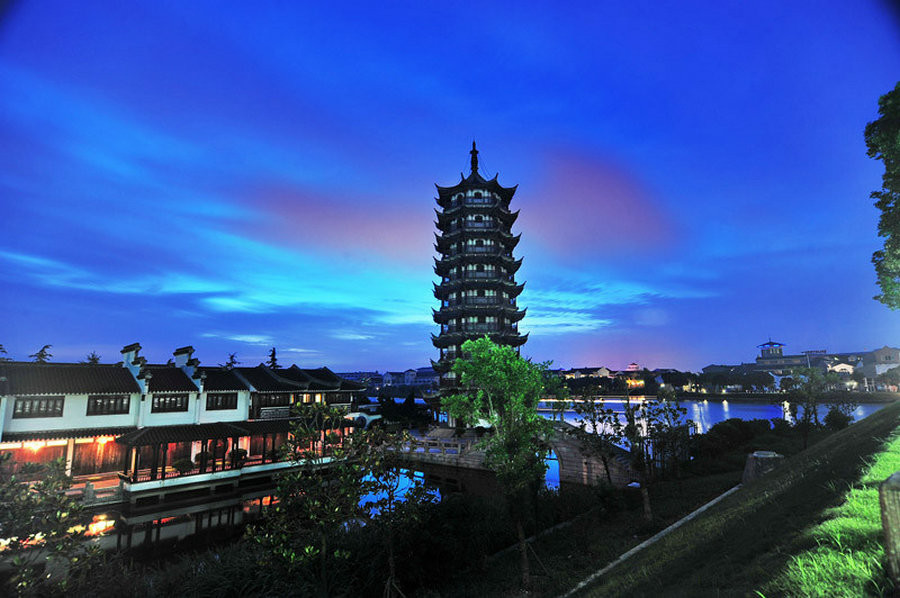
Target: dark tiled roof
[(184, 433), (66, 378), (168, 378), (263, 379), (220, 379), (70, 433)]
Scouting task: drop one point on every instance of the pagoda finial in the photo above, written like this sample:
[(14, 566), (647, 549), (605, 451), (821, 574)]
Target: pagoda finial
[(474, 154)]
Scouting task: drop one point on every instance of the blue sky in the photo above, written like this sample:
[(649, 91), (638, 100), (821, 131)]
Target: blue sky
[(692, 177)]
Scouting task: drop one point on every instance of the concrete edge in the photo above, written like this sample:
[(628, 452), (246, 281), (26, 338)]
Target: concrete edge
[(597, 574)]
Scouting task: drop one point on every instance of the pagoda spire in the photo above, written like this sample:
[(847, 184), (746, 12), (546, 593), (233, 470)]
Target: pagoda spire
[(474, 154)]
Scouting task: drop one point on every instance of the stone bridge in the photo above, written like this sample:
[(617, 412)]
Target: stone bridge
[(443, 447)]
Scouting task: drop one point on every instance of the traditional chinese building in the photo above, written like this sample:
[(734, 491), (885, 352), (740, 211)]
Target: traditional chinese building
[(477, 288), (160, 450)]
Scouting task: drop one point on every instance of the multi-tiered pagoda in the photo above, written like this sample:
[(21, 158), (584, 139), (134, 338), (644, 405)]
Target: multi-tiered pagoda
[(478, 289)]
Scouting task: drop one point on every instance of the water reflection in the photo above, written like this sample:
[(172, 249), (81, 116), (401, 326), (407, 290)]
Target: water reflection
[(707, 413)]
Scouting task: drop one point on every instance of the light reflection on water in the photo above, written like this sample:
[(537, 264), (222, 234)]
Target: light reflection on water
[(706, 413)]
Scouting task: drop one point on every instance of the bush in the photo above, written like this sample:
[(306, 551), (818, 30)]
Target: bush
[(837, 420), (728, 435), (781, 426)]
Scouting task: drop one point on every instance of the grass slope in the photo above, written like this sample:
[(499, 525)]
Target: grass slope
[(742, 543), (842, 556)]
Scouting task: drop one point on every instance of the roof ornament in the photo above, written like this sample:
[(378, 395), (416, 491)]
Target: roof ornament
[(474, 154)]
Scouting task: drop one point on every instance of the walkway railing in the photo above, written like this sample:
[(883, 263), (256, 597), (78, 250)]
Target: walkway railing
[(438, 446)]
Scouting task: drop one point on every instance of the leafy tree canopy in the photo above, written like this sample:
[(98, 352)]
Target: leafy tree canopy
[(883, 143), (43, 354)]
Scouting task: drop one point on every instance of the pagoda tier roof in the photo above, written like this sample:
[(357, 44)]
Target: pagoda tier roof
[(492, 232), (443, 366), (443, 242), (509, 338), (510, 287), (502, 214), (474, 182), (508, 312), (509, 264)]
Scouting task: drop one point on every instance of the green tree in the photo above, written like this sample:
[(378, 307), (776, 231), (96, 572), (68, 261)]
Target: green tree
[(316, 499), (92, 358), (808, 392), (883, 143), (41, 524), (272, 362), (656, 434), (555, 387), (3, 354), (504, 389), (232, 361), (43, 354), (599, 429), (891, 377), (399, 495)]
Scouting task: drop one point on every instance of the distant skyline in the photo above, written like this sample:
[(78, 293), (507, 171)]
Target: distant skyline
[(692, 178)]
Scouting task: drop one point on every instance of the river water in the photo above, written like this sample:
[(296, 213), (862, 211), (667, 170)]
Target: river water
[(707, 413)]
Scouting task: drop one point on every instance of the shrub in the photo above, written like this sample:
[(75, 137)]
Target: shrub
[(837, 419)]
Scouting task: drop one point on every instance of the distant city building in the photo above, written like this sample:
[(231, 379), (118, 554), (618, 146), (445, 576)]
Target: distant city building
[(478, 290), (879, 361), (594, 372), (772, 359)]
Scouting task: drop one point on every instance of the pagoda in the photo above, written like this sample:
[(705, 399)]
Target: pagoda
[(477, 288)]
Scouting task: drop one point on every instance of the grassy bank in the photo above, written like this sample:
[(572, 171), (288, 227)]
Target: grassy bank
[(746, 541), (844, 553)]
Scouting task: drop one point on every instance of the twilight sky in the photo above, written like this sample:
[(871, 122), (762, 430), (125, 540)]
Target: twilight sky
[(692, 176)]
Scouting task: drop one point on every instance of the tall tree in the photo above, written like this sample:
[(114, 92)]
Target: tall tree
[(883, 143), (39, 522), (231, 362), (273, 359), (92, 358), (656, 432), (503, 388), (599, 428), (3, 354), (316, 499), (807, 393), (43, 354)]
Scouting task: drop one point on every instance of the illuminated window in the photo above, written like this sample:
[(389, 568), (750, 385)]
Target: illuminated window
[(275, 400), (169, 402), (108, 404), (221, 400), (38, 407)]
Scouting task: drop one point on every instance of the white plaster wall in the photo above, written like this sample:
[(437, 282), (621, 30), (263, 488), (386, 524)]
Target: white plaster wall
[(74, 416), (171, 418), (225, 415)]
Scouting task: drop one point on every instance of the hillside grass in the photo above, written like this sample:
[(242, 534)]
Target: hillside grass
[(843, 555), (755, 539)]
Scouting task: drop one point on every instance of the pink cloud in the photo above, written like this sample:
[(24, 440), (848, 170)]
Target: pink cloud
[(586, 206), (363, 226)]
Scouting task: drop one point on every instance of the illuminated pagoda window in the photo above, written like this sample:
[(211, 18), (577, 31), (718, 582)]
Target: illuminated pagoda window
[(477, 289)]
